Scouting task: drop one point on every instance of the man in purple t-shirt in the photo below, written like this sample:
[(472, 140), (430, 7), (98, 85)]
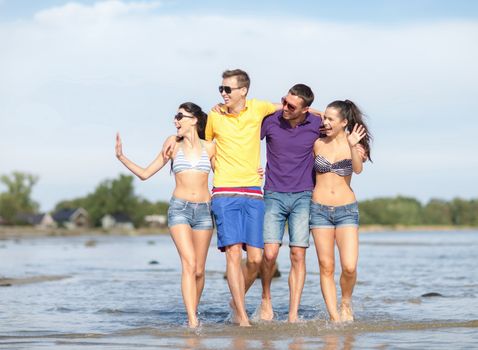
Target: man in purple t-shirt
[(290, 135)]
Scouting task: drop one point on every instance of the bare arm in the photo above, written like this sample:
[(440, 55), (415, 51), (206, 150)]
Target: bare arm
[(211, 151), (353, 139), (316, 112), (142, 173), (168, 146)]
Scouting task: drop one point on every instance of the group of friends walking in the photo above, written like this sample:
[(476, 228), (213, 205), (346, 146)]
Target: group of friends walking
[(310, 160)]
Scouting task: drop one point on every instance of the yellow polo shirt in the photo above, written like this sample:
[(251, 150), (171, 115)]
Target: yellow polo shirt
[(238, 144)]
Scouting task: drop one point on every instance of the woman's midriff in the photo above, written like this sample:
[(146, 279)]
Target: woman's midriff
[(332, 189), (192, 186)]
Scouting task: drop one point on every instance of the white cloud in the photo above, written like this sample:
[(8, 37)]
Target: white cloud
[(74, 75), (73, 12)]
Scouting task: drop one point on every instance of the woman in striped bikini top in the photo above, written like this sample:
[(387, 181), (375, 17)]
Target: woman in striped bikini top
[(189, 214), (181, 163)]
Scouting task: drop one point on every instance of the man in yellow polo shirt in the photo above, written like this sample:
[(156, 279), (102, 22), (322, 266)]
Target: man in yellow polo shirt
[(237, 202)]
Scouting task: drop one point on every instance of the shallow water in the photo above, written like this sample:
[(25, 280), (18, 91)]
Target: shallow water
[(113, 298)]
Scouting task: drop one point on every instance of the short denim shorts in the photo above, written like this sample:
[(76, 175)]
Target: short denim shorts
[(293, 207), (326, 216), (196, 215)]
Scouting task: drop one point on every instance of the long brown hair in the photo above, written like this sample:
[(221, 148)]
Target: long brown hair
[(349, 111)]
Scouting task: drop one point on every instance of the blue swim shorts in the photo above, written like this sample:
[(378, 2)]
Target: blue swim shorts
[(239, 217), (326, 216), (196, 215)]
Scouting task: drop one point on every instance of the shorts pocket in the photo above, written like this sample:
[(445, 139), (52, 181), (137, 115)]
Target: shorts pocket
[(175, 205)]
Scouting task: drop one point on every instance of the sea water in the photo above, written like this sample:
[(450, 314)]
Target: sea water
[(123, 292)]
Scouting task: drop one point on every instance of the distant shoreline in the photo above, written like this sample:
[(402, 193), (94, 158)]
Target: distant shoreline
[(28, 231)]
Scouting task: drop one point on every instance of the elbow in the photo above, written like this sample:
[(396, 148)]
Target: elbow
[(143, 176), (358, 171)]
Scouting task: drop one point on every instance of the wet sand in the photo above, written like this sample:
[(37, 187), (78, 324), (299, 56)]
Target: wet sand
[(9, 232), (8, 282)]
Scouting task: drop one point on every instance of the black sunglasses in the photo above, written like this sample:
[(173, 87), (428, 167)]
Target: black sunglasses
[(227, 89), (180, 116), (290, 107)]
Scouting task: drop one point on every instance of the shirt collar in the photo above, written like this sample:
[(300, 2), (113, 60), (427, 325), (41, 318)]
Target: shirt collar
[(224, 110), (304, 122)]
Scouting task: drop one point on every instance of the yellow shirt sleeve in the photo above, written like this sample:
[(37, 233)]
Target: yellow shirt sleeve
[(265, 108), (209, 127)]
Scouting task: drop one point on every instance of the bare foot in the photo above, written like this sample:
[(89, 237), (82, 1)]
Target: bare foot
[(193, 323), (244, 323), (234, 316), (346, 312), (293, 318), (266, 312)]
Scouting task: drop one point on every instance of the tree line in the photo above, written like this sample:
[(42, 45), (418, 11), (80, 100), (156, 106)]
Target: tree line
[(118, 196)]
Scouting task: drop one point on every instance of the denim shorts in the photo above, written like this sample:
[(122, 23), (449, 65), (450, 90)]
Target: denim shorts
[(238, 219), (326, 216), (293, 207), (196, 215)]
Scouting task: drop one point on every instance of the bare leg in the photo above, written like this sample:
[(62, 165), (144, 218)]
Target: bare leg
[(235, 280), (250, 270), (182, 237), (271, 251), (324, 244), (347, 242), (252, 266), (201, 242), (296, 280)]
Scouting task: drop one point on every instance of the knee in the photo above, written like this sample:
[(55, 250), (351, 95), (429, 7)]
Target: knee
[(253, 262), (234, 254), (199, 273), (189, 267), (349, 270), (270, 257), (327, 268), (297, 257)]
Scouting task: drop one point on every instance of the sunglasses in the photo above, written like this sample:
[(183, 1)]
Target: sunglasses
[(289, 106), (180, 116), (227, 89)]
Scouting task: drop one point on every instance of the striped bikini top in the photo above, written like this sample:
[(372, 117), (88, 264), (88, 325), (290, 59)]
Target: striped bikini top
[(342, 167), (180, 163)]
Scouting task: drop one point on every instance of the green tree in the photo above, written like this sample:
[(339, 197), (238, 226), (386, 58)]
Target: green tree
[(464, 212), (437, 212), (391, 211), (112, 196), (17, 199)]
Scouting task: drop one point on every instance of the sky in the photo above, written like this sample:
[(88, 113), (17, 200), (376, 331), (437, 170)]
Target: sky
[(73, 73)]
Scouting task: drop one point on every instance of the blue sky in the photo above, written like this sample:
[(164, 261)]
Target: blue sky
[(73, 73)]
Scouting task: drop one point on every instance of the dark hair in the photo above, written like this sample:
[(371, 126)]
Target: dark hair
[(241, 76), (304, 92), (349, 110), (196, 111)]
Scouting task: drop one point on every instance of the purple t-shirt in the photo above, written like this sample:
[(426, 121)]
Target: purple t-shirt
[(290, 153)]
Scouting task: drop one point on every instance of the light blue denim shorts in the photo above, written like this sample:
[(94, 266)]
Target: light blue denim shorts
[(196, 215), (326, 216), (293, 207)]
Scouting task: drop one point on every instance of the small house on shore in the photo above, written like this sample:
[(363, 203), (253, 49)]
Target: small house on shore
[(117, 220), (43, 220), (156, 220), (72, 218)]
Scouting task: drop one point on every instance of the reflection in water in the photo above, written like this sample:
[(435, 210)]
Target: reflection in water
[(338, 342)]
